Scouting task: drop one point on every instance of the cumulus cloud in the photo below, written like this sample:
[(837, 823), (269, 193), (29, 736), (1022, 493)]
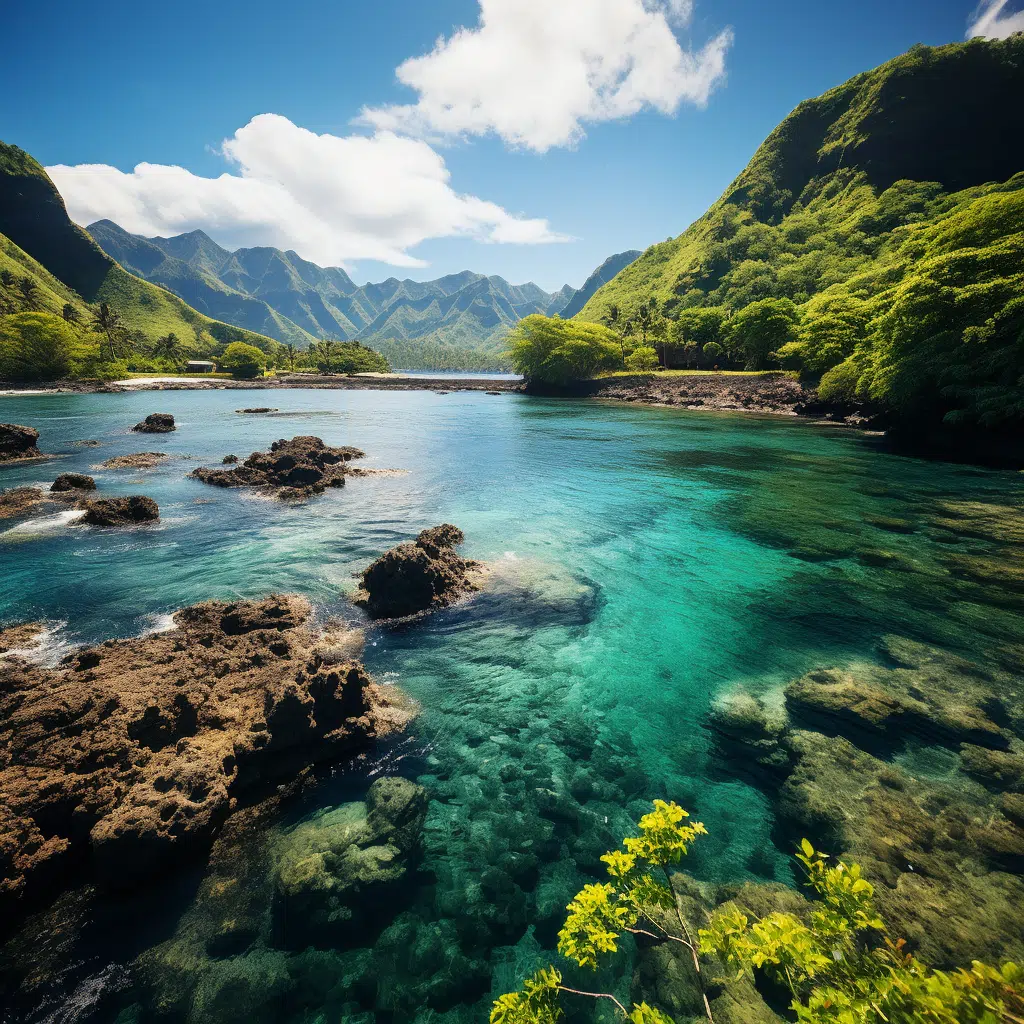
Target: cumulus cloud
[(332, 199), (993, 21), (535, 71)]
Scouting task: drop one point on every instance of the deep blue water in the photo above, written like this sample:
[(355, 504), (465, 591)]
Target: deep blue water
[(646, 561)]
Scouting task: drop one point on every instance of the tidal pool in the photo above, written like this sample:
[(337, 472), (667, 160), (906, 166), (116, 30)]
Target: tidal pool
[(646, 562)]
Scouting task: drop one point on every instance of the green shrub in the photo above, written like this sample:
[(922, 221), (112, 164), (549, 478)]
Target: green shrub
[(760, 328), (839, 385), (556, 351), (35, 347), (243, 360), (712, 351), (642, 358)]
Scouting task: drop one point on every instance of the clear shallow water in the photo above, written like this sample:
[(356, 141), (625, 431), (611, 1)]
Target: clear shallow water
[(647, 561)]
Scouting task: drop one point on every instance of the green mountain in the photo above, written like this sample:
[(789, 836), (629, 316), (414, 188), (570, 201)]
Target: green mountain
[(39, 242), (878, 234), (296, 301), (604, 273)]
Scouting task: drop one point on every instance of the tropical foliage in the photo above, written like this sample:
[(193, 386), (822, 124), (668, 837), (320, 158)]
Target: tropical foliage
[(555, 351), (896, 243), (36, 347), (243, 360), (837, 961)]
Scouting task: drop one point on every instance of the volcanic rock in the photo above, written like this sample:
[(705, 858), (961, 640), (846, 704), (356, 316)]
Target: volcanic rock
[(17, 442), (121, 511), (156, 423), (137, 460), (295, 468), (73, 482), (129, 756), (418, 577)]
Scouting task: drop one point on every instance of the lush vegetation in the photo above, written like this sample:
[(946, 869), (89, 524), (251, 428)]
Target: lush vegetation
[(836, 961), (550, 350), (36, 346), (884, 224), (429, 353)]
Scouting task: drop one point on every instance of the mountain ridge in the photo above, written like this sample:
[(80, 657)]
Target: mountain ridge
[(299, 302)]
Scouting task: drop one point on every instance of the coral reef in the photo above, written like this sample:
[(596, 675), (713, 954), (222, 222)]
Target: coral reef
[(130, 755), (156, 423), (295, 468), (17, 443), (128, 511), (419, 576)]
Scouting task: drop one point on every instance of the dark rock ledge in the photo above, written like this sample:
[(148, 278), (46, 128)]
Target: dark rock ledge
[(127, 758)]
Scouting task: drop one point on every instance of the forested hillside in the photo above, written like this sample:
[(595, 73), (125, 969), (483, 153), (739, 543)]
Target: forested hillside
[(50, 266), (876, 237)]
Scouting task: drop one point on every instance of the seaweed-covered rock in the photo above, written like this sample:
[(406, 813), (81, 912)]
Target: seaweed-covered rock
[(748, 732), (156, 423), (137, 460), (131, 754), (73, 482), (129, 511), (997, 770), (18, 442), (295, 468), (339, 871), (418, 577), (19, 500)]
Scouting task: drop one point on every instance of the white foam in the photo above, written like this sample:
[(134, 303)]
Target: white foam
[(50, 645), (43, 525), (158, 622)]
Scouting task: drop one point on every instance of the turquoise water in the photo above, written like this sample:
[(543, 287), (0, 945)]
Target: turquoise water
[(646, 561)]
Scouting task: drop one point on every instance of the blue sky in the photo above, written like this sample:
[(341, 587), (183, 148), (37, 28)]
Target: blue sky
[(119, 84)]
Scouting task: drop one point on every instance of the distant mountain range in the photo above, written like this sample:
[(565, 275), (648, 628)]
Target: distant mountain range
[(288, 298)]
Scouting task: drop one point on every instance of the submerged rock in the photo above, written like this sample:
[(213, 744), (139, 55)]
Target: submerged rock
[(18, 442), (129, 756), (156, 423), (258, 409), (128, 511), (419, 576), (295, 468), (137, 460), (73, 482), (338, 872)]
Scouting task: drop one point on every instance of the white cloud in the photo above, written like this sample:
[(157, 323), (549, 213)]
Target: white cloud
[(331, 199), (535, 71), (990, 21)]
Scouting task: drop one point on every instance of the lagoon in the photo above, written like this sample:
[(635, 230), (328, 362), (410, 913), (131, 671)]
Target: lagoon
[(646, 562)]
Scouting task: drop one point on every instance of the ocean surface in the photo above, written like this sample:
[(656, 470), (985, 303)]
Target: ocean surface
[(646, 562)]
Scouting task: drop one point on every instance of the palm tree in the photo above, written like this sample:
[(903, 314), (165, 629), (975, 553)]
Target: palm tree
[(28, 289), (611, 319), (644, 317), (327, 348), (289, 354), (108, 321), (168, 346), (70, 314)]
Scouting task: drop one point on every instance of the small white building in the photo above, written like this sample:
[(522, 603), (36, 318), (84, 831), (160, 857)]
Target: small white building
[(200, 366)]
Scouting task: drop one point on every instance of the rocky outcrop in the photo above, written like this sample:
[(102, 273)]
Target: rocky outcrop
[(19, 501), (128, 511), (259, 409), (20, 637), (156, 423), (296, 468), (418, 577), (73, 482), (128, 757), (137, 460), (17, 443)]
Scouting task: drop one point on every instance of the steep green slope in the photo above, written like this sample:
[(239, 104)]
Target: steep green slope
[(890, 211), (39, 241)]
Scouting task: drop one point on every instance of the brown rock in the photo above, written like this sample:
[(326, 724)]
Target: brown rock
[(73, 482), (19, 500), (129, 756), (418, 577), (137, 460), (297, 468), (259, 409), (17, 442), (156, 423), (24, 635), (997, 770), (121, 511)]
